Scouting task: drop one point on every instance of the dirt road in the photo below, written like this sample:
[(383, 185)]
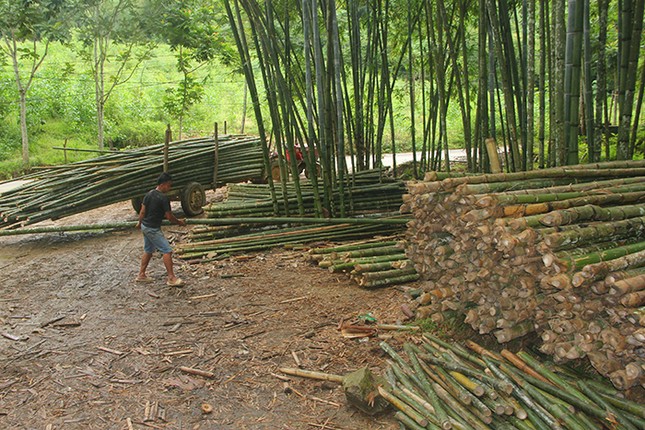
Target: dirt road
[(85, 347)]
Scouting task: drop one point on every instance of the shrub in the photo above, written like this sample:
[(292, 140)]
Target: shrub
[(135, 134)]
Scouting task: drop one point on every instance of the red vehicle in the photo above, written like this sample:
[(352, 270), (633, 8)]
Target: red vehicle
[(300, 161)]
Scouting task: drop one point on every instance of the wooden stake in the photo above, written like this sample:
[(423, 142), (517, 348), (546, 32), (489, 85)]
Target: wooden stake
[(215, 158)]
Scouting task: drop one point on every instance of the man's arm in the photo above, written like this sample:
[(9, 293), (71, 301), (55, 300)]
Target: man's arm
[(174, 220), (142, 215)]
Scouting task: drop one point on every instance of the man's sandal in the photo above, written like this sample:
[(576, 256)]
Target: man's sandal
[(177, 282)]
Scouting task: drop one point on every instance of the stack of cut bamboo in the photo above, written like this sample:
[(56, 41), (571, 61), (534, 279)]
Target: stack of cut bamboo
[(559, 251), (442, 386), (369, 200), (372, 263), (368, 191), (282, 233), (73, 188)]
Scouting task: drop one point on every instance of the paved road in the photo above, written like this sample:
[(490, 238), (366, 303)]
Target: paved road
[(6, 186), (404, 157)]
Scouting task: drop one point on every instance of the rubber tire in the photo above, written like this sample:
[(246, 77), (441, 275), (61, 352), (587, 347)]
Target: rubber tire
[(193, 199), (136, 202), (275, 170), (318, 172)]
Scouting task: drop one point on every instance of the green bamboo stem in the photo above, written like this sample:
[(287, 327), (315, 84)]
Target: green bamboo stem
[(439, 410), (614, 229), (587, 406), (372, 243), (68, 228), (461, 411), (495, 383), (408, 422), (592, 212), (298, 220), (417, 406), (391, 281), (593, 272), (372, 252), (370, 277), (565, 192), (552, 376), (609, 254), (633, 408), (403, 407), (343, 265), (524, 397), (560, 172), (256, 242), (608, 408), (456, 349), (376, 267)]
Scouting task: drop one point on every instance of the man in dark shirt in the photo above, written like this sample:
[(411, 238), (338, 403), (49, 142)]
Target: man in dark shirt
[(156, 207)]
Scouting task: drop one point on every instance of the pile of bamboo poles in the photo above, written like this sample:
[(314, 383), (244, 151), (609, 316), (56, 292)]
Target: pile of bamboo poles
[(557, 251), (73, 188), (283, 233), (367, 191), (371, 263), (444, 386), (371, 199)]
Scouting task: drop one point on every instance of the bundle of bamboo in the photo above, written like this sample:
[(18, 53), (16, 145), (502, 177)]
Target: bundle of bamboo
[(282, 233), (516, 254), (73, 188), (369, 196), (367, 191), (372, 263), (443, 386)]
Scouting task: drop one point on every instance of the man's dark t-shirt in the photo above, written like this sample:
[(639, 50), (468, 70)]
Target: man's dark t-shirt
[(157, 204)]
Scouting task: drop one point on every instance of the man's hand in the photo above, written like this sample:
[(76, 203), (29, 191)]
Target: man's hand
[(138, 226), (181, 222)]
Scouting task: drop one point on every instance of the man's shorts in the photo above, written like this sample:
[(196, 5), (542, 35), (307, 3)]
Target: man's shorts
[(153, 239)]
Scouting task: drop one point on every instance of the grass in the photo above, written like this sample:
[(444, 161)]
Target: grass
[(61, 107)]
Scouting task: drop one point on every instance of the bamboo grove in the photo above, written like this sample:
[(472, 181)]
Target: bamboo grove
[(548, 81)]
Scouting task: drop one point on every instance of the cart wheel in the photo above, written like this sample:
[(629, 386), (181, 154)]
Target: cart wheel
[(193, 198), (136, 202), (275, 170), (317, 169)]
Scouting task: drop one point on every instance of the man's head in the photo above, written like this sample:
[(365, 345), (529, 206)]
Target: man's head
[(164, 182)]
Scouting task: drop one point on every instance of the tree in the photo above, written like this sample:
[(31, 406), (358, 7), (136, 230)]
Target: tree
[(27, 29), (190, 28), (115, 43)]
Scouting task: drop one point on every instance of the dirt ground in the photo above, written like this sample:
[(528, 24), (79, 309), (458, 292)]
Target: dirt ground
[(85, 347)]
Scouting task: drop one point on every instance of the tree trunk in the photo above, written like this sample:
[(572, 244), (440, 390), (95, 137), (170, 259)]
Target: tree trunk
[(23, 128), (530, 87), (503, 52), (544, 55), (100, 124), (412, 96), (601, 80), (588, 85), (573, 57), (630, 49), (557, 92)]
